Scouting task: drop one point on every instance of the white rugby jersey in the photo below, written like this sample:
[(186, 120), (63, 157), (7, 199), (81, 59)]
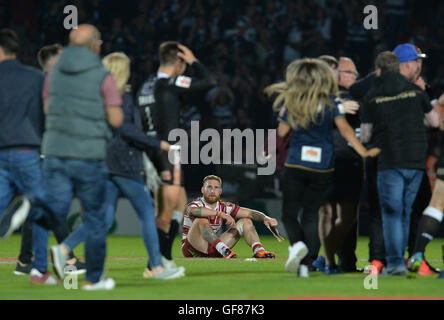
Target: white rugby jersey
[(215, 222)]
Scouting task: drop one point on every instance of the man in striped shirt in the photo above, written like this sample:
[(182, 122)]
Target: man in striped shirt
[(203, 235)]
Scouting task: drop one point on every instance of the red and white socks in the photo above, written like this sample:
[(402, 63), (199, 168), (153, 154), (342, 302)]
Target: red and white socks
[(256, 247), (220, 246)]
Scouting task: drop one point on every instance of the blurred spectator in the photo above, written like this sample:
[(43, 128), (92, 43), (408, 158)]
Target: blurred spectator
[(190, 113), (244, 43), (222, 109), (397, 20), (358, 41)]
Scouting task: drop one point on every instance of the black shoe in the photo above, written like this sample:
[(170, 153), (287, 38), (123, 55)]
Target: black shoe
[(312, 268), (78, 267), (22, 269), (350, 269)]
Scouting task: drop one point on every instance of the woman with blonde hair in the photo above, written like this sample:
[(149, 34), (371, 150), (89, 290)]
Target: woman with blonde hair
[(306, 105), (126, 171)]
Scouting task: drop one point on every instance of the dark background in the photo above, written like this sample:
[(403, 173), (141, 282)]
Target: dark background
[(246, 44)]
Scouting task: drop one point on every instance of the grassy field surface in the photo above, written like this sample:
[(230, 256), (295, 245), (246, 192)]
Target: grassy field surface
[(219, 278)]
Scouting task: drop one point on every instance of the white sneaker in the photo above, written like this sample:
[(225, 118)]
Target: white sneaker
[(58, 261), (36, 277), (296, 253), (170, 264), (14, 216), (169, 274), (103, 284), (303, 271)]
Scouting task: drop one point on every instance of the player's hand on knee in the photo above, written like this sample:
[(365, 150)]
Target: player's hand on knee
[(229, 220)]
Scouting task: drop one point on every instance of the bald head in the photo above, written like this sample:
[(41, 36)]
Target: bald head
[(87, 36), (347, 72)]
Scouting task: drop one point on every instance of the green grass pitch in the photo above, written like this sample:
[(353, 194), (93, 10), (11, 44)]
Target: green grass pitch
[(221, 279)]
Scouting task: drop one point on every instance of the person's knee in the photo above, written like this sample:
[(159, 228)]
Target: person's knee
[(236, 233), (244, 225), (170, 199), (390, 203), (202, 222), (182, 200)]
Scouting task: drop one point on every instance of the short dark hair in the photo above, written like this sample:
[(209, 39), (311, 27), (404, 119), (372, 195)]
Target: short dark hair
[(387, 61), (168, 52), (47, 52), (9, 41), (330, 60)]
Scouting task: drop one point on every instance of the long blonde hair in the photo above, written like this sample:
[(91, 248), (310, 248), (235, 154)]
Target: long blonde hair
[(118, 64), (305, 92)]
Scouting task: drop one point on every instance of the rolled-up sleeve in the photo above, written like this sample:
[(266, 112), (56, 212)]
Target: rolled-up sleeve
[(110, 93)]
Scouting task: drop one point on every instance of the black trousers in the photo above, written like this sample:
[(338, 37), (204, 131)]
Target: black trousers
[(26, 252), (26, 244), (349, 179), (376, 244), (304, 192), (347, 253)]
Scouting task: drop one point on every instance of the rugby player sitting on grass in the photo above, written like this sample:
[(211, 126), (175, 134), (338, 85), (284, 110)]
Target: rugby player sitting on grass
[(203, 220)]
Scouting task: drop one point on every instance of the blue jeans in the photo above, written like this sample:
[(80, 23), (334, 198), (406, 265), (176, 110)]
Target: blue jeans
[(66, 178), (20, 172), (134, 190), (40, 247), (397, 189)]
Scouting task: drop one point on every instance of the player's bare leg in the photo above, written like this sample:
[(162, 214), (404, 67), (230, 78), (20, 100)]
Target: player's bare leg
[(182, 201), (168, 196), (245, 228), (346, 216), (327, 217), (437, 200), (230, 237), (428, 227), (176, 221), (169, 202), (201, 234)]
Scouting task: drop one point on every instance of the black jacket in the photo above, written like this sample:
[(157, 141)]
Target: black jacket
[(161, 99), (124, 150), (360, 88), (396, 108), (21, 105), (343, 150)]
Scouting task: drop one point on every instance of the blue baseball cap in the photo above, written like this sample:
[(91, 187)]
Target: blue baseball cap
[(406, 52)]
